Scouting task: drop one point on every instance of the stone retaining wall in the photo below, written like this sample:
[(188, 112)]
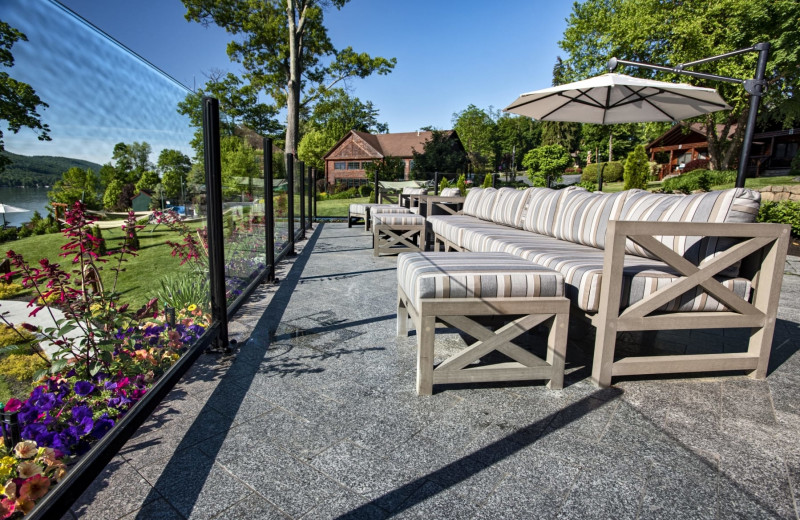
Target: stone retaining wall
[(791, 192)]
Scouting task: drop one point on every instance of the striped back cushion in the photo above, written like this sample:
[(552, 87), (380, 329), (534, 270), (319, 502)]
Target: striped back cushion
[(508, 206), (413, 191), (583, 217), (487, 204), (540, 216), (737, 205), (472, 202), (450, 192)]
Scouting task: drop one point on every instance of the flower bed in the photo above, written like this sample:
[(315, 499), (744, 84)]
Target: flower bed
[(93, 378)]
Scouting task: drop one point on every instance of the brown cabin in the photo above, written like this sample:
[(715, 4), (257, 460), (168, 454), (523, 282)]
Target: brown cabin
[(345, 162)]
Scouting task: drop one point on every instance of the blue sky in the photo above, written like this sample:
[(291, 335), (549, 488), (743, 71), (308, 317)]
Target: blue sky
[(450, 53)]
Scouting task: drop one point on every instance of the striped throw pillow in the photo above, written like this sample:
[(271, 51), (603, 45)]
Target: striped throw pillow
[(583, 217), (472, 201), (508, 206), (487, 204)]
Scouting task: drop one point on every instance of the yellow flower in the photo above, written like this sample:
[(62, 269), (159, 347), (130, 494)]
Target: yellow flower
[(5, 471), (191, 307)]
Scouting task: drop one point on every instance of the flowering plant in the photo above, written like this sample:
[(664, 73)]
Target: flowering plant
[(26, 474)]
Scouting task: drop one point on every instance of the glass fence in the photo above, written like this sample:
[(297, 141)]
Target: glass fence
[(130, 181)]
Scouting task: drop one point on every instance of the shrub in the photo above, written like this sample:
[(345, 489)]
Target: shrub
[(636, 169), (365, 190), (10, 336), (22, 367), (182, 290), (587, 185), (698, 180), (444, 183), (781, 212), (696, 164), (8, 234), (100, 246), (612, 172), (795, 165), (131, 238), (461, 184), (7, 290), (487, 181), (346, 194)]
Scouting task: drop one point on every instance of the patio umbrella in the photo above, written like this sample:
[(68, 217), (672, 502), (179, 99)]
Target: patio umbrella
[(617, 98), (7, 208)]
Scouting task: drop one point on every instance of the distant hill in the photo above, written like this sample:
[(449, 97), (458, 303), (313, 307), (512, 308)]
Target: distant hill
[(39, 170)]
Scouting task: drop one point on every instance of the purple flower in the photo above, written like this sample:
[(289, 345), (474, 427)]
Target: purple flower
[(27, 414), (80, 412), (101, 426), (34, 431), (83, 388)]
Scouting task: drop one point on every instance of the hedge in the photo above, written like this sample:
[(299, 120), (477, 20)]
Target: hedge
[(612, 172)]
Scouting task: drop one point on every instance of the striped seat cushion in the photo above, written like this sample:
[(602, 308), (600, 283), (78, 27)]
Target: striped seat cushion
[(582, 217), (474, 275), (508, 206), (453, 227), (450, 192), (386, 208), (582, 267), (737, 205), (472, 202), (414, 191), (360, 209), (397, 219)]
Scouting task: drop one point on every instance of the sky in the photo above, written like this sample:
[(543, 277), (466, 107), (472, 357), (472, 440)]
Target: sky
[(450, 53)]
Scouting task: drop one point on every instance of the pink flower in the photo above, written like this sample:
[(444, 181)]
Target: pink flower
[(35, 487), (12, 405), (7, 508)]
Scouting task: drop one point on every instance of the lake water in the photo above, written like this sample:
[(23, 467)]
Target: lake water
[(32, 199)]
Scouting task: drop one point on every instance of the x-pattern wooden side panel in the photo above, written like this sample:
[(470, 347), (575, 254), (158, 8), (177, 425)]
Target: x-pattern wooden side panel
[(393, 238), (489, 340), (695, 276)]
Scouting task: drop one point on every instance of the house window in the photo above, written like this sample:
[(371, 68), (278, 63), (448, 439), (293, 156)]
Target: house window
[(354, 166), (351, 183), (339, 166), (364, 164)]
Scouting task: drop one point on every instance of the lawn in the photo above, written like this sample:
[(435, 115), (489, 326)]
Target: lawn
[(754, 183), (337, 207), (141, 274)]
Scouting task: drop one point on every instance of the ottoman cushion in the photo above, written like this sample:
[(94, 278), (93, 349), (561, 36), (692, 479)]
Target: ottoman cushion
[(397, 219), (474, 275)]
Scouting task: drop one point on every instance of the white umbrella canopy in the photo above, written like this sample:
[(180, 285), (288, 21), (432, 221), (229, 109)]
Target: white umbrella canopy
[(617, 98), (7, 208)]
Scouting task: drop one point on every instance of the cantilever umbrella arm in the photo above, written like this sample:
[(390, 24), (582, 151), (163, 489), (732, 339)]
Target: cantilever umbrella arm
[(755, 87)]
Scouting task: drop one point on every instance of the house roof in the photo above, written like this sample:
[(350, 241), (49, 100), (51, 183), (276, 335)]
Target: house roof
[(400, 144), (691, 133)]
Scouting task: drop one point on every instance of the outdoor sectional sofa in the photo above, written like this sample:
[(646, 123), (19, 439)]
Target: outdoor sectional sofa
[(636, 261)]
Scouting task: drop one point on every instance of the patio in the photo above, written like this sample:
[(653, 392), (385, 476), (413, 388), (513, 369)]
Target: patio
[(315, 416)]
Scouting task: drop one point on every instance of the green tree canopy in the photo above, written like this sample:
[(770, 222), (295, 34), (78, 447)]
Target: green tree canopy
[(148, 181), (670, 33), (112, 195), (515, 136), (546, 163), (313, 147), (76, 184), (440, 153), (18, 101), (131, 160), (477, 131), (388, 169), (285, 49)]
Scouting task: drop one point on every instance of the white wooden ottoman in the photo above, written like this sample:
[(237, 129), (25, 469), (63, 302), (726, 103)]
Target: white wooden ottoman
[(450, 287), (394, 233)]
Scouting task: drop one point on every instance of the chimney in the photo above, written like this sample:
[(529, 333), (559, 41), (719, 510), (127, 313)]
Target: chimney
[(417, 132)]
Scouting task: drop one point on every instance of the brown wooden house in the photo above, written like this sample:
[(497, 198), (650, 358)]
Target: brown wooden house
[(770, 150), (345, 162)]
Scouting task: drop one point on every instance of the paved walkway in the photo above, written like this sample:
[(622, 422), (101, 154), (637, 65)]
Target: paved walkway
[(315, 416)]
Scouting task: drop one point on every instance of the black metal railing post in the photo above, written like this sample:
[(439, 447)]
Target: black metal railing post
[(311, 196), (377, 189), (216, 247), (269, 210), (315, 192), (290, 202), (302, 176)]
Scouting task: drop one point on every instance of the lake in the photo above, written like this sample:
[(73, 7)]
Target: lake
[(32, 199)]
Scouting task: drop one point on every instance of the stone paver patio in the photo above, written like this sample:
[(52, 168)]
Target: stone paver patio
[(315, 416)]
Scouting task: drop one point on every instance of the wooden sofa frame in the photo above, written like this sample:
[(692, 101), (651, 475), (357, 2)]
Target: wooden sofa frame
[(762, 249)]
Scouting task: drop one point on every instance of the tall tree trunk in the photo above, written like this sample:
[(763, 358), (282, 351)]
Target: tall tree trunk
[(293, 85)]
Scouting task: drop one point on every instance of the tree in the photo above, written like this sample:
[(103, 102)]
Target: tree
[(313, 147), (476, 129), (112, 194), (174, 167), (654, 31), (566, 134), (546, 164), (239, 106), (388, 169), (440, 153), (515, 136), (131, 160), (148, 181), (239, 166), (282, 45), (637, 169), (18, 101), (75, 184)]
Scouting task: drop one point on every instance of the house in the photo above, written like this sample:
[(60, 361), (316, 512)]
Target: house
[(772, 150), (141, 201), (345, 162)]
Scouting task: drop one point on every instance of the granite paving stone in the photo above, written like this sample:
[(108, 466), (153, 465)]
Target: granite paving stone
[(314, 416)]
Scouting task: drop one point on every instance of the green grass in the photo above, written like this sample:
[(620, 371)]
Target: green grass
[(141, 274), (337, 207), (754, 183)]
